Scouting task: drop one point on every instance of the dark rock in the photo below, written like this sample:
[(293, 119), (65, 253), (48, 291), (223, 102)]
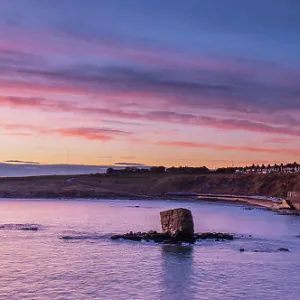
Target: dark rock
[(177, 226), (186, 238), (177, 221), (133, 238), (152, 232), (172, 242), (66, 237), (116, 237), (248, 208), (242, 250), (147, 236), (29, 228), (283, 250), (24, 227), (167, 238), (214, 235)]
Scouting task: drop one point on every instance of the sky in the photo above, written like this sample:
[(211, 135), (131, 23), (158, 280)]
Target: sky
[(193, 82)]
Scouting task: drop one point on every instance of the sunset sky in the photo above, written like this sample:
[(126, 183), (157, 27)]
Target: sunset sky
[(152, 82)]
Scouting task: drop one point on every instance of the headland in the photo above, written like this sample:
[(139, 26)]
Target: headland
[(253, 189)]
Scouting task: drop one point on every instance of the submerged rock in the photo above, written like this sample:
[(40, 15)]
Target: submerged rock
[(214, 235), (167, 238), (147, 236), (266, 250), (29, 228), (25, 227), (283, 250)]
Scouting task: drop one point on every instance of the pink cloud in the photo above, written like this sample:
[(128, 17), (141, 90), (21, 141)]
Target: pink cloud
[(280, 140), (90, 133), (227, 147), (108, 134), (21, 134), (161, 116), (95, 134)]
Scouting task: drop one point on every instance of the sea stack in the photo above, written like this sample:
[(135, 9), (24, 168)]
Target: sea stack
[(177, 222), (177, 227)]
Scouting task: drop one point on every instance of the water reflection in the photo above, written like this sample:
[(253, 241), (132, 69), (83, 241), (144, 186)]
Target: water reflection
[(99, 268), (177, 277)]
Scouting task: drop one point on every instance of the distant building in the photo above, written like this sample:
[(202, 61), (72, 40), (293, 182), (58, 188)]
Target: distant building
[(285, 169)]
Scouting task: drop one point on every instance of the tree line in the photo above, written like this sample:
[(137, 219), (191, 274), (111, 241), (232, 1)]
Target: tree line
[(205, 170)]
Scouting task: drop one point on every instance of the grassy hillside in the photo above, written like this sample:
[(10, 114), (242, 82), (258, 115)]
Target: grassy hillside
[(116, 185)]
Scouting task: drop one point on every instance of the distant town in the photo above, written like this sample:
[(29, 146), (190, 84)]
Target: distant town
[(262, 169)]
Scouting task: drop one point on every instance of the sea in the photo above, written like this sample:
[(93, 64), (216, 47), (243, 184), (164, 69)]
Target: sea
[(37, 263)]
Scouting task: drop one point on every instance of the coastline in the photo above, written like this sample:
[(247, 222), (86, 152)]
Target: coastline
[(228, 199), (264, 191)]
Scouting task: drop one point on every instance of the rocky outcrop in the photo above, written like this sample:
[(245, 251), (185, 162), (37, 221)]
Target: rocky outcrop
[(146, 236), (217, 236), (286, 204), (166, 238), (293, 199), (177, 222), (177, 227), (266, 250), (283, 249)]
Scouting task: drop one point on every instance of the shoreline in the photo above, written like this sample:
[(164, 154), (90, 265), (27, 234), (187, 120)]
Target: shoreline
[(246, 201), (264, 191)]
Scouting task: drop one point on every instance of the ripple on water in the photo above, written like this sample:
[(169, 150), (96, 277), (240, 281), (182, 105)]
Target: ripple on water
[(89, 265)]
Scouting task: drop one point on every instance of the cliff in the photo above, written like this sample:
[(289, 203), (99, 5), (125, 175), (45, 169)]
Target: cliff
[(156, 184)]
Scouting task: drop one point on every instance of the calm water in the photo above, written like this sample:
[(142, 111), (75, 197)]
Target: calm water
[(39, 265)]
